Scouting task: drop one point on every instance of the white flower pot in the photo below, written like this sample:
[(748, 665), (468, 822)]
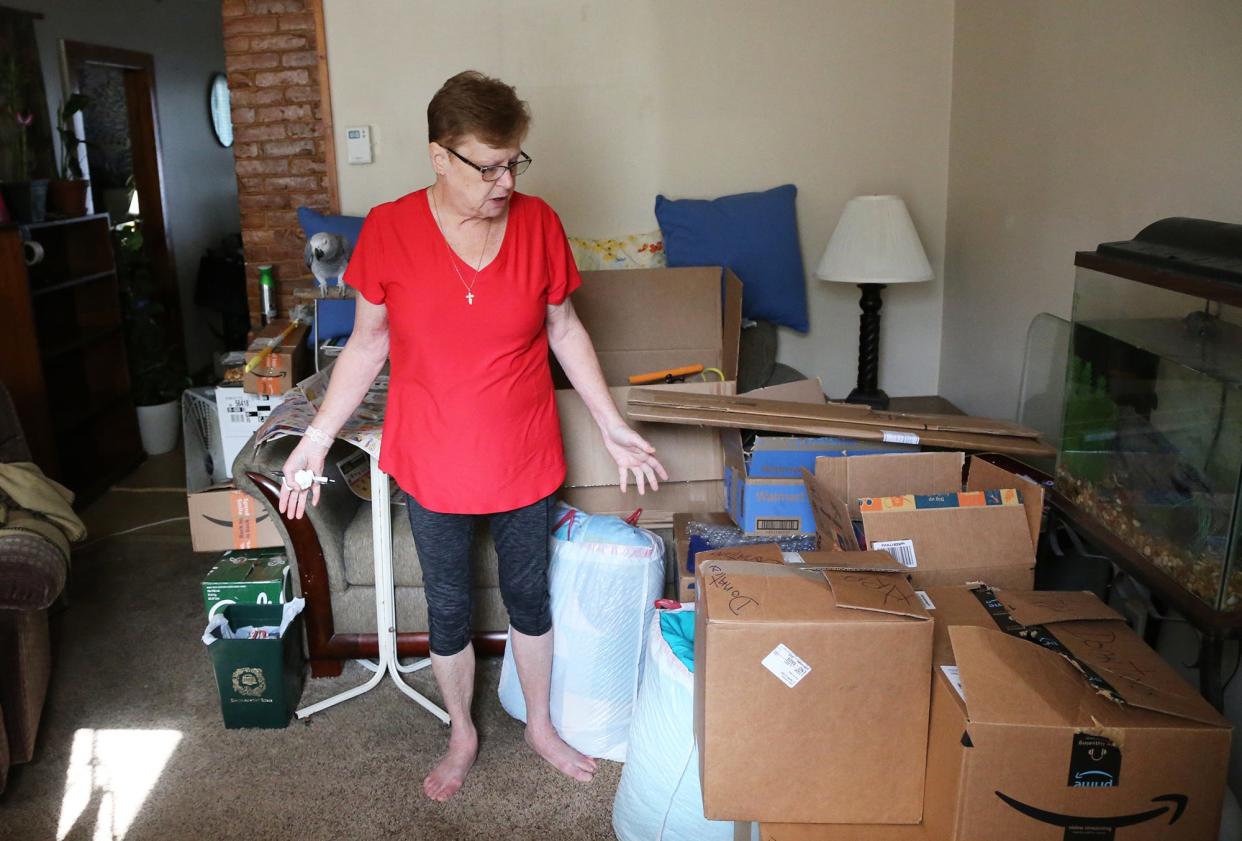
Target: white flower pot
[(158, 425)]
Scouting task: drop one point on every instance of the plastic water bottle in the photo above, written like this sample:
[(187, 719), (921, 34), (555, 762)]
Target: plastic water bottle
[(267, 289)]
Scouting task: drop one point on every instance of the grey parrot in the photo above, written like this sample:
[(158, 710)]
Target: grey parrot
[(326, 256)]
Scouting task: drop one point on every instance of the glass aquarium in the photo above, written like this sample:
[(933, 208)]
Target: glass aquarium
[(1151, 445)]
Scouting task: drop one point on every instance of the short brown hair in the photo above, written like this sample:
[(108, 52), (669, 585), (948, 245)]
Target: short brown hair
[(473, 104)]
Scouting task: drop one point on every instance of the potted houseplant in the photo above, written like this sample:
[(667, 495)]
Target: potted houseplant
[(66, 195), (157, 371), (25, 198)]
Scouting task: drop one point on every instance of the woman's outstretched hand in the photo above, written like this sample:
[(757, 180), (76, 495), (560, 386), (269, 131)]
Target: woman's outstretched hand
[(307, 455), (634, 455)]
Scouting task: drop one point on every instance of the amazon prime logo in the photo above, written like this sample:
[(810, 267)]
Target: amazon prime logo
[(1095, 762)]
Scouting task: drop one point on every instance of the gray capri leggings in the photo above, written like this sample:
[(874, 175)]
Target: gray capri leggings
[(444, 542)]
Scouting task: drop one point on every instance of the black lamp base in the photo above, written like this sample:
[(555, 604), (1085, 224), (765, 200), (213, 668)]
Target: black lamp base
[(868, 390), (876, 398)]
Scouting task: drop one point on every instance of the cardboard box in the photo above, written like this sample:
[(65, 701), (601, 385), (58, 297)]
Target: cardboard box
[(247, 576), (281, 369), (765, 494), (222, 517), (941, 546), (240, 414), (1023, 745), (686, 548), (810, 689), (648, 320)]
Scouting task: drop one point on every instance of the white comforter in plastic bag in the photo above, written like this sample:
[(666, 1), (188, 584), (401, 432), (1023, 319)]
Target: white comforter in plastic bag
[(660, 797), (604, 578)]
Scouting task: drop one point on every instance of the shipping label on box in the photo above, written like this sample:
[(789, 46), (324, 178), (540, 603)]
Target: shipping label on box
[(254, 576), (223, 518), (240, 412), (811, 689)]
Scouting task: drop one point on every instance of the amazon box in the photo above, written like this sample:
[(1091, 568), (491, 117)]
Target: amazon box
[(944, 530), (222, 518), (651, 320), (285, 366), (1052, 720), (811, 688)]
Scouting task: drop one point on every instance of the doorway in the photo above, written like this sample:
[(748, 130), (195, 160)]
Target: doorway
[(124, 162)]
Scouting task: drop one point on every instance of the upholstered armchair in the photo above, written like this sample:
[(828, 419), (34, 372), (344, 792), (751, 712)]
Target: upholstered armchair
[(32, 576)]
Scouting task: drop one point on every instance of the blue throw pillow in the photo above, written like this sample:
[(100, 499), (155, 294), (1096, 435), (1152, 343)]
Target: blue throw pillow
[(755, 235)]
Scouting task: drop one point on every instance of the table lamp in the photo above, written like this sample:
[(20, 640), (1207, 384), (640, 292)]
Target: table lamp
[(875, 244)]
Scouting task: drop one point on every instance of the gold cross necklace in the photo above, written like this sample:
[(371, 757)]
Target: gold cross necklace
[(478, 266)]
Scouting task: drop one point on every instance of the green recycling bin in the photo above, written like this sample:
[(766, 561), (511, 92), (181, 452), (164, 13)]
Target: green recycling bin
[(260, 680)]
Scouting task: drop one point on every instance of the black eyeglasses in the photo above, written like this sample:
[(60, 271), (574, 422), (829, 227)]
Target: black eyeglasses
[(494, 172)]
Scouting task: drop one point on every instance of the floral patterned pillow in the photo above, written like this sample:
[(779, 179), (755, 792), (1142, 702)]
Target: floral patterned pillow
[(637, 251)]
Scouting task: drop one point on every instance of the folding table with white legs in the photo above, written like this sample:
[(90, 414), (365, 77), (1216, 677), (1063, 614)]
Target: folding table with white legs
[(385, 610)]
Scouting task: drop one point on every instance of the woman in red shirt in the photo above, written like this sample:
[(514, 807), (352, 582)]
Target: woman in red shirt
[(464, 286)]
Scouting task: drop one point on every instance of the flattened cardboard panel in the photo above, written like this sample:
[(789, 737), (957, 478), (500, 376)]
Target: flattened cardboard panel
[(913, 473), (982, 475), (798, 391), (1045, 607), (1007, 680), (832, 518), (881, 592)]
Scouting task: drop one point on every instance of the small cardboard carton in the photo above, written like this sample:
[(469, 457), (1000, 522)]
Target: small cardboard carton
[(810, 688), (649, 320), (1052, 720), (916, 507), (285, 366), (247, 576), (222, 518)]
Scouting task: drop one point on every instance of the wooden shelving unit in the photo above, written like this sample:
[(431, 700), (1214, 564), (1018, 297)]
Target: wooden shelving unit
[(63, 352)]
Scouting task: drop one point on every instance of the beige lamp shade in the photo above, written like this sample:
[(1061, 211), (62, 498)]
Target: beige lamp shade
[(875, 242)]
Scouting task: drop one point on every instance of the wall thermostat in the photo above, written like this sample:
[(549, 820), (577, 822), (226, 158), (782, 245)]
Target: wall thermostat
[(358, 144)]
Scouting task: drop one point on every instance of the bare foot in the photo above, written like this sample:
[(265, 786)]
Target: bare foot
[(449, 774), (547, 743)]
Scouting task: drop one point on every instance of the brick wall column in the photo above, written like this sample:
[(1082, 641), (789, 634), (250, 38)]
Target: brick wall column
[(282, 128)]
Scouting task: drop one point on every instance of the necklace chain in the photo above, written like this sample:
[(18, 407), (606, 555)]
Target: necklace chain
[(478, 266)]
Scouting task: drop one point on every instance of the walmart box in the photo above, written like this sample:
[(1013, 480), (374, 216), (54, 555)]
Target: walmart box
[(247, 576), (764, 493)]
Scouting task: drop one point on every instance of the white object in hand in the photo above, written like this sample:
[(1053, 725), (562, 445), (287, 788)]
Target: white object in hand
[(304, 478)]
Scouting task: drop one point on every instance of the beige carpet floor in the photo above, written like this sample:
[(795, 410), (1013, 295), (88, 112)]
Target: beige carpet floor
[(132, 746)]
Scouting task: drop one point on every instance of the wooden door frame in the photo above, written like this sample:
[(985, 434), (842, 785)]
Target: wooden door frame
[(148, 159)]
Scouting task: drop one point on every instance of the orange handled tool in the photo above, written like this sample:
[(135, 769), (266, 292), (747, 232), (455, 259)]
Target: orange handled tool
[(667, 376)]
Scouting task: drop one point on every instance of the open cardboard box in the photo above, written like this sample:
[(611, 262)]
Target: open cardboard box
[(1024, 745), (650, 320), (941, 546), (810, 687)]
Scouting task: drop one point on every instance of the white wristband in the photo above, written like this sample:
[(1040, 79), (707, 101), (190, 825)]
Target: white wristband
[(318, 436)]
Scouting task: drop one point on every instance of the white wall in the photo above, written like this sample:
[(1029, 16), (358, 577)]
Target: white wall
[(1074, 124), (691, 99), (200, 188)]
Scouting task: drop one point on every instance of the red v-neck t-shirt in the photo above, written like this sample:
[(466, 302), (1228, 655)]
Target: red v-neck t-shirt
[(471, 425)]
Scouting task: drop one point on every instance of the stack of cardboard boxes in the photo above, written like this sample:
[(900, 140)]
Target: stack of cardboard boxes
[(906, 682), (217, 423)]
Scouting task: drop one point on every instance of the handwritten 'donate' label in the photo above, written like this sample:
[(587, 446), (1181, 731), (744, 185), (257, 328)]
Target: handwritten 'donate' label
[(719, 579), (788, 667)]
